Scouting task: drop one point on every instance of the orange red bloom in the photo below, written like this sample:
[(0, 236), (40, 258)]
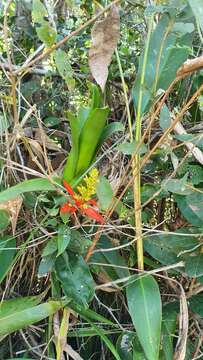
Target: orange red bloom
[(86, 207)]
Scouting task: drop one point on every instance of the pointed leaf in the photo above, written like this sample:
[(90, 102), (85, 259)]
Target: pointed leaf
[(167, 52), (75, 278), (194, 265), (7, 252), (19, 318), (144, 304), (64, 67), (63, 238), (197, 8), (90, 137), (26, 186), (104, 193), (45, 31)]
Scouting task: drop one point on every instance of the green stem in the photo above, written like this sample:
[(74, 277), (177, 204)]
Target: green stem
[(136, 162)]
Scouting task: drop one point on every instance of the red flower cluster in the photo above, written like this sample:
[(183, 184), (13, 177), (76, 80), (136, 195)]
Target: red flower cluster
[(80, 204)]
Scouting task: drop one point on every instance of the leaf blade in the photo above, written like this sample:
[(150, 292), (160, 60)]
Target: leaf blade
[(144, 305)]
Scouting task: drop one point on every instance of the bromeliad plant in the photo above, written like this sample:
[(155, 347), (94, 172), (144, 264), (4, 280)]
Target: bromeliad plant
[(88, 132)]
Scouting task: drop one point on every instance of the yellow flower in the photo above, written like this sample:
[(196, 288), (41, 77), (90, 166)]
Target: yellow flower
[(89, 189)]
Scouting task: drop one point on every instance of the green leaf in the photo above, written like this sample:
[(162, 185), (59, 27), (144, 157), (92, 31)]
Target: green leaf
[(188, 210), (167, 52), (195, 203), (26, 186), (166, 247), (144, 303), (196, 304), (109, 130), (110, 257), (168, 330), (177, 186), (46, 264), (183, 28), (63, 239), (18, 317), (7, 252), (50, 247), (104, 193), (5, 219), (75, 278), (194, 265), (90, 314), (128, 148), (90, 137), (165, 118), (45, 32), (8, 307), (78, 242), (64, 67), (197, 8), (70, 167)]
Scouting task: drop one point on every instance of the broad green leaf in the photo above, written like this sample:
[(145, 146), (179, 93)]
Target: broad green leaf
[(195, 203), (104, 193), (144, 303), (195, 173), (188, 211), (90, 137), (120, 268), (5, 219), (109, 130), (196, 304), (168, 330), (70, 167), (10, 306), (64, 67), (7, 252), (128, 148), (50, 247), (194, 265), (197, 8), (26, 186), (19, 318), (46, 264), (63, 238), (78, 242), (45, 32), (182, 28), (165, 117), (177, 186), (75, 278), (166, 247), (167, 52), (149, 190)]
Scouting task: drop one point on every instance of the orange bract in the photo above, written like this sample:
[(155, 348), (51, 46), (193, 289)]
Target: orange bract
[(80, 204)]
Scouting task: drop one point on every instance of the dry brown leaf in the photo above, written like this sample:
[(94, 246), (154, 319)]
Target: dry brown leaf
[(13, 208), (44, 139), (105, 35)]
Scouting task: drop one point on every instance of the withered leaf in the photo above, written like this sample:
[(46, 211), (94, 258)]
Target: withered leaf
[(13, 208), (105, 36)]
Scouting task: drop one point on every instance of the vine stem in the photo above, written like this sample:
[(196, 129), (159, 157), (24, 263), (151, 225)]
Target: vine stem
[(136, 161)]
